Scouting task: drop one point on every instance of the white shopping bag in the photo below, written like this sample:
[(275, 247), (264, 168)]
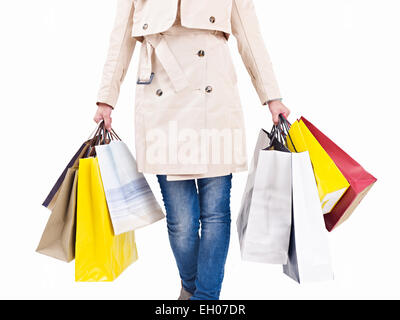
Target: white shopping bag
[(131, 202), (309, 254), (264, 219), (262, 142)]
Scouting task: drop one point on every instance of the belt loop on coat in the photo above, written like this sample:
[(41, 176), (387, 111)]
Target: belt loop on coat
[(157, 43), (145, 73)]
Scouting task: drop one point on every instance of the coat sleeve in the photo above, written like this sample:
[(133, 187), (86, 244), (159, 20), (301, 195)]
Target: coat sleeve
[(120, 50), (245, 28)]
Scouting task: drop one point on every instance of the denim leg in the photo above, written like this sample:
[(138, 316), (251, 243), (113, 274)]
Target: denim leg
[(181, 203), (215, 217)]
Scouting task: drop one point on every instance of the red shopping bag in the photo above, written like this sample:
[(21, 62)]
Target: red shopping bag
[(360, 180)]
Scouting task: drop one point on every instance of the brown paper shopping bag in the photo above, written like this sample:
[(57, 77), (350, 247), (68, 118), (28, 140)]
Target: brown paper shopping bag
[(58, 239)]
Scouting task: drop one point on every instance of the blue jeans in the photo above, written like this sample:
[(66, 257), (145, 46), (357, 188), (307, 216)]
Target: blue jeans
[(200, 256)]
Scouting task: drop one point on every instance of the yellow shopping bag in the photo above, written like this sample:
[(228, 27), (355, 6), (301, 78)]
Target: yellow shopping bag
[(100, 256), (330, 181)]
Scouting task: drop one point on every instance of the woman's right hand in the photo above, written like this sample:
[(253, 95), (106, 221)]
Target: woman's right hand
[(103, 113)]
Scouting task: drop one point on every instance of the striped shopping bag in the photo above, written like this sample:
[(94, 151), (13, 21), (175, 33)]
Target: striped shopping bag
[(130, 201)]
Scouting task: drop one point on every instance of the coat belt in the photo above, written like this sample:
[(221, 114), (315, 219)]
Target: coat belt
[(157, 43)]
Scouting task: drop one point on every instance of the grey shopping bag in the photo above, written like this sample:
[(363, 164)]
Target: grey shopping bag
[(264, 219), (309, 254)]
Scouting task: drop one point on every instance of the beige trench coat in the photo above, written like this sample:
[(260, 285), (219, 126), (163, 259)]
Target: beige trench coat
[(189, 121)]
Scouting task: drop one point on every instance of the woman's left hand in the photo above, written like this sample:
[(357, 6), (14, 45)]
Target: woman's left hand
[(277, 107)]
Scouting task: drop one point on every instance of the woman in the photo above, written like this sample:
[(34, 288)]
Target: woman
[(188, 117)]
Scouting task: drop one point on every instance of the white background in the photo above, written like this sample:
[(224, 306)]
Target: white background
[(337, 63)]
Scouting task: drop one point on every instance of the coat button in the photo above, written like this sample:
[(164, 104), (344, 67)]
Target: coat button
[(201, 53), (208, 89), (212, 19), (145, 26), (159, 92)]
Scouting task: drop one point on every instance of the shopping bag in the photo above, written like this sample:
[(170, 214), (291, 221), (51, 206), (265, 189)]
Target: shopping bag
[(309, 253), (264, 219), (360, 180), (263, 142), (58, 239), (330, 181), (131, 202), (99, 254)]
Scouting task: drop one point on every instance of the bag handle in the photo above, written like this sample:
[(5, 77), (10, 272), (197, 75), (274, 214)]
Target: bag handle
[(114, 134), (280, 132), (95, 140), (101, 136), (285, 124), (96, 130)]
